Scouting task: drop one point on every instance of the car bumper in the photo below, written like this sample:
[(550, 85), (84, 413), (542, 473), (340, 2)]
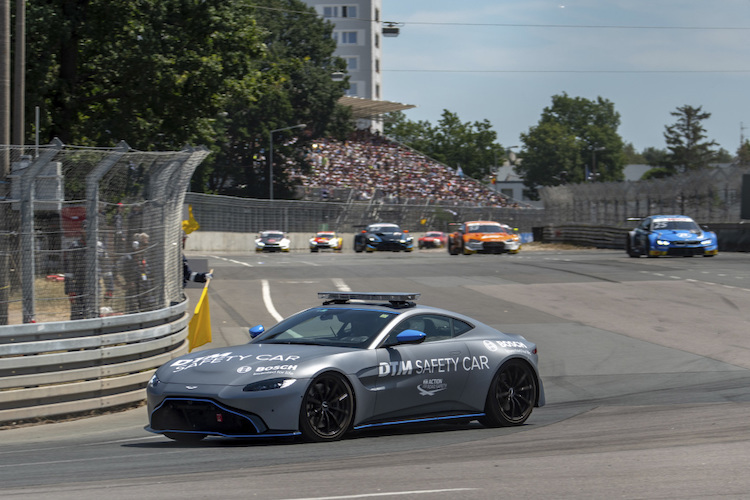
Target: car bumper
[(390, 246), (230, 412), (683, 251), (494, 247)]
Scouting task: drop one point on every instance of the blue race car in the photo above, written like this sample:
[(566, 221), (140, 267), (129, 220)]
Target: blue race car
[(676, 235)]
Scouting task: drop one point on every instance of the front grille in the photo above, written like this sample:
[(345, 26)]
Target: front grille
[(201, 415), (390, 246), (493, 247), (684, 251)]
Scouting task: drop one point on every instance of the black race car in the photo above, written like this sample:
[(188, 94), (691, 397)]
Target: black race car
[(383, 237)]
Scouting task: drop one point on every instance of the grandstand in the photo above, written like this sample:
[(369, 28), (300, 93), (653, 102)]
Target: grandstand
[(369, 167)]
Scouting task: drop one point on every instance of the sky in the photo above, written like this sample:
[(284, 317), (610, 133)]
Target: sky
[(503, 60)]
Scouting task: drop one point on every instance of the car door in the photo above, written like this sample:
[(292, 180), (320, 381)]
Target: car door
[(421, 379)]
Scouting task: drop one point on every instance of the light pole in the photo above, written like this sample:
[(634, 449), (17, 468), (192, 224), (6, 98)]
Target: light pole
[(593, 162), (270, 155)]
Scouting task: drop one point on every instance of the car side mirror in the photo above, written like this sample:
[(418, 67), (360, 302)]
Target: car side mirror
[(411, 337), (256, 330)]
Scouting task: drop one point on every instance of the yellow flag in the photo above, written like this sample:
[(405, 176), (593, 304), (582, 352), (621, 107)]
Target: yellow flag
[(191, 224), (199, 330)]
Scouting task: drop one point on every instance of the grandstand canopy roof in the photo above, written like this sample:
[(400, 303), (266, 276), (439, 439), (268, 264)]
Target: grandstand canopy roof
[(368, 108)]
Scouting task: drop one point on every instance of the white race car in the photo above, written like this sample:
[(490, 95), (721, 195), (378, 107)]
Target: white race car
[(272, 241)]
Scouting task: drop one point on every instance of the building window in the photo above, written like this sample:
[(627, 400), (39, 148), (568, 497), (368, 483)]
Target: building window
[(377, 40), (352, 90), (352, 63), (345, 37), (377, 91), (334, 11), (377, 15), (377, 65)]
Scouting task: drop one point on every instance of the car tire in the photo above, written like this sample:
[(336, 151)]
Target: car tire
[(512, 395), (452, 249), (327, 408), (184, 437)]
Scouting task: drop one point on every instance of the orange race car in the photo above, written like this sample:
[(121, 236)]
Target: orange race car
[(483, 237)]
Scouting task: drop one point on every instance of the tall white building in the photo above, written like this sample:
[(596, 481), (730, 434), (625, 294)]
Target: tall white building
[(358, 32)]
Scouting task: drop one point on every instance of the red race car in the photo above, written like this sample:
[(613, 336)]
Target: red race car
[(432, 239)]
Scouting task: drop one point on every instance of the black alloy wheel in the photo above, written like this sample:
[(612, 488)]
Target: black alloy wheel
[(512, 395), (327, 408)]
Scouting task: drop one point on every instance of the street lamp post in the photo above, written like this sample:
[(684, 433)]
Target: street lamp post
[(270, 155), (593, 162)]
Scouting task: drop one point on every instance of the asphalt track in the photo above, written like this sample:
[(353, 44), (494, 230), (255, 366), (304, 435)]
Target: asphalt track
[(645, 364)]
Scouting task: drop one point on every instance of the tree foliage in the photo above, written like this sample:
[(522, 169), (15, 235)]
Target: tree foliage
[(471, 146), (576, 140), (686, 141), (160, 74)]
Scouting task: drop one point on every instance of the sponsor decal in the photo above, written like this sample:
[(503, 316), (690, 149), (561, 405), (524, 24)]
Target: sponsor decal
[(492, 345), (431, 386), (275, 369), (224, 357), (433, 365)]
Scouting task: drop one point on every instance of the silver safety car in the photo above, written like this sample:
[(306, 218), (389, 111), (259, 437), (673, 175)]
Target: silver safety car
[(357, 361)]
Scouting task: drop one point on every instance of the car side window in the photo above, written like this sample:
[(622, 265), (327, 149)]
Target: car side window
[(435, 326), (460, 327)]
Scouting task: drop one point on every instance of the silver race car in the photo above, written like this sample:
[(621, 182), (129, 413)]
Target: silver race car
[(359, 360)]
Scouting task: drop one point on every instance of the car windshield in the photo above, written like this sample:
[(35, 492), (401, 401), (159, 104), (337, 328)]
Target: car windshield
[(329, 326), (272, 235), (485, 228), (384, 229), (325, 235), (675, 225), (433, 235)]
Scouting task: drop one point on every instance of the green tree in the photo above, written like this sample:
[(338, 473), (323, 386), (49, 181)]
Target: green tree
[(297, 89), (589, 128), (686, 141), (154, 73), (632, 157), (743, 153), (471, 146)]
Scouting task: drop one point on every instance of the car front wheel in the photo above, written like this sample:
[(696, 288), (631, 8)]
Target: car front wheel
[(512, 395), (327, 408)]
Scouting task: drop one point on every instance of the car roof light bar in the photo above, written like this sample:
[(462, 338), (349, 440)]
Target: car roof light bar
[(344, 297)]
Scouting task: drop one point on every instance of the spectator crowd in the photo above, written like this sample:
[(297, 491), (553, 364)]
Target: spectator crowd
[(374, 167)]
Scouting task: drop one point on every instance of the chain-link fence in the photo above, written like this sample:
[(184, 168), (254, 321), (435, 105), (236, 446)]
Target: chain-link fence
[(91, 232), (243, 215), (708, 196)]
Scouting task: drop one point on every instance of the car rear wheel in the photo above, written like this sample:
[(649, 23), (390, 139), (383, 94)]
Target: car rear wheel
[(184, 437), (327, 408), (512, 395)]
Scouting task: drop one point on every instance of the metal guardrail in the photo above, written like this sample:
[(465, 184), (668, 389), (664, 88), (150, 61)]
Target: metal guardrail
[(71, 367)]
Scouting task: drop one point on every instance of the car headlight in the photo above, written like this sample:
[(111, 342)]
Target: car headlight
[(662, 243), (154, 381), (705, 243), (260, 243), (267, 385)]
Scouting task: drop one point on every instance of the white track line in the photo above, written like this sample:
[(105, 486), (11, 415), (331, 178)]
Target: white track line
[(268, 302), (340, 285)]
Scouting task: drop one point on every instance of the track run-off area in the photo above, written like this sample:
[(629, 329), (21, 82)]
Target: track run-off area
[(645, 363)]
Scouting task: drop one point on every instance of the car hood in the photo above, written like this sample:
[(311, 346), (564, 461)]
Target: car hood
[(390, 236), (490, 236), (680, 235), (240, 365)]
